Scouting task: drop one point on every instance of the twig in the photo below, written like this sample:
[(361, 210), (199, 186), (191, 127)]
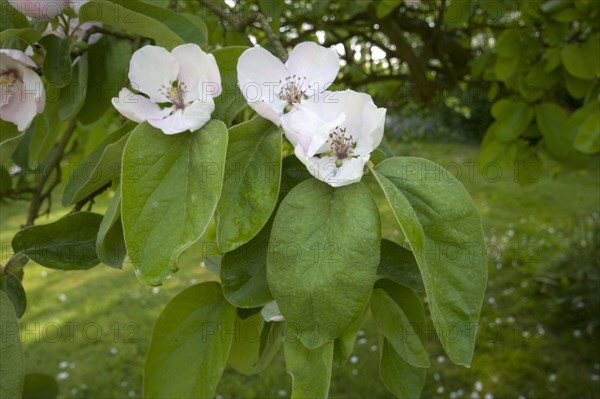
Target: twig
[(39, 194), (105, 31), (242, 24)]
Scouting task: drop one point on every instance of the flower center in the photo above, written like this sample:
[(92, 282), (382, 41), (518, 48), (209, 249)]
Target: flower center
[(291, 90), (8, 79), (342, 146), (175, 93)]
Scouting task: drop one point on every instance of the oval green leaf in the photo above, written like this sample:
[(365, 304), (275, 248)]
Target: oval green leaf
[(323, 257), (444, 229), (190, 345), (67, 244), (310, 369), (169, 192), (251, 185), (12, 361)]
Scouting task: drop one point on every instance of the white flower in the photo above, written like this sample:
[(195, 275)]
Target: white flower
[(270, 87), (40, 9), (21, 89), (334, 137), (185, 79)]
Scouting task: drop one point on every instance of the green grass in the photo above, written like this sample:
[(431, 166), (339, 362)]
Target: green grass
[(539, 335)]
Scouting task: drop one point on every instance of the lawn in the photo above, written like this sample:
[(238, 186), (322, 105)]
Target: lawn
[(539, 329)]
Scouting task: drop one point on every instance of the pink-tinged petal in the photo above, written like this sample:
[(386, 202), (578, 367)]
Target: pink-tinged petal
[(260, 75), (137, 108), (318, 64), (19, 56), (198, 113), (172, 124), (270, 111), (151, 69), (34, 87), (20, 109), (198, 70)]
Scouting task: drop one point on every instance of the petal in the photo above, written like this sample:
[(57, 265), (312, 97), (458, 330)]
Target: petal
[(271, 111), (326, 170), (318, 64), (309, 127), (260, 74), (172, 124), (198, 113), (20, 109), (152, 68), (18, 56), (136, 107), (197, 69), (34, 87)]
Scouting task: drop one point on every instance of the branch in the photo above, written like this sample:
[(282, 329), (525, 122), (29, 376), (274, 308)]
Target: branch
[(241, 25), (39, 194)]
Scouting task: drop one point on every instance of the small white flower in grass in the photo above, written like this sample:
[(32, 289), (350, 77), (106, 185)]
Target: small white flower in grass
[(271, 87), (334, 137), (21, 89), (186, 80)]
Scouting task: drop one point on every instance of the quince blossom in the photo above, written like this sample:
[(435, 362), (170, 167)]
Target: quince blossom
[(271, 88), (21, 89), (186, 80), (334, 137)]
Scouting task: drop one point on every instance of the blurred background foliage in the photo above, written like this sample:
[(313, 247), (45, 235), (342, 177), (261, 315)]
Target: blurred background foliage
[(511, 82), (519, 76)]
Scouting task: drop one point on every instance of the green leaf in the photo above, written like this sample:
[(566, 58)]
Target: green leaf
[(576, 62), (251, 185), (108, 63), (509, 43), (170, 188), (588, 138), (11, 18), (551, 120), (190, 345), (45, 129), (112, 14), (344, 344), (98, 169), (110, 244), (496, 155), (9, 139), (458, 12), (29, 35), (12, 361), (72, 97), (401, 378), (57, 62), (310, 368), (231, 101), (5, 180), (11, 285), (576, 87), (246, 356), (512, 119), (440, 221), (399, 264), (67, 244), (397, 329), (188, 27), (385, 7), (505, 67), (293, 173), (244, 273), (318, 236), (40, 386)]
